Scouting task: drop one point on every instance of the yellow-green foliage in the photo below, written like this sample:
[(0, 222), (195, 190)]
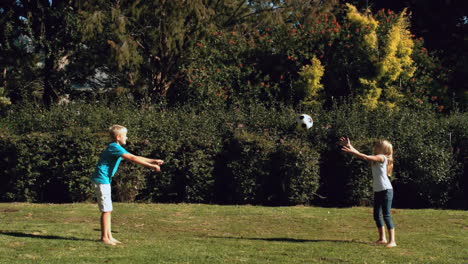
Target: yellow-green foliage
[(397, 47), (311, 76), (370, 98), (366, 22), (390, 54)]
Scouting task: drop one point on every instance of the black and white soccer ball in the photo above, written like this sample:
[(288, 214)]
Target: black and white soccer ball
[(304, 122)]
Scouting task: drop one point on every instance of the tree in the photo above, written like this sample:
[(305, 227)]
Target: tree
[(443, 25), (311, 85), (152, 40), (390, 52), (372, 57), (49, 28), (19, 76), (149, 40), (6, 52)]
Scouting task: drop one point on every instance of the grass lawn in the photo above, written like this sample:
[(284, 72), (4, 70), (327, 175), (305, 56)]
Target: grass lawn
[(193, 233)]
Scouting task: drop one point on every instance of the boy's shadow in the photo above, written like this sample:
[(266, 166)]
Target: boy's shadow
[(19, 234), (111, 231), (292, 240)]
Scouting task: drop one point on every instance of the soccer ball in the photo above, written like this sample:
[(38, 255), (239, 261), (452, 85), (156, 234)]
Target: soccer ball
[(304, 122)]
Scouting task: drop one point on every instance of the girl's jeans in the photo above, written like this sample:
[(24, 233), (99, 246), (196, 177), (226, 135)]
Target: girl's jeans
[(382, 206)]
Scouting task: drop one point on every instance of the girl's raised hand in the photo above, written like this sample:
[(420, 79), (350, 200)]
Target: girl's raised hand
[(347, 147), (344, 141)]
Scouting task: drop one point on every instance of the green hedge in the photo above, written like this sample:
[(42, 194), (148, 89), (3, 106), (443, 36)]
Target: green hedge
[(45, 167), (428, 154), (238, 155), (257, 169)]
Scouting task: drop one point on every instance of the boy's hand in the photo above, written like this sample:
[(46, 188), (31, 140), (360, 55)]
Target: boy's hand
[(156, 168), (157, 162)]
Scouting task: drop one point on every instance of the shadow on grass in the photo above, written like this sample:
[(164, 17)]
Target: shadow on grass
[(97, 229), (19, 234), (292, 240)]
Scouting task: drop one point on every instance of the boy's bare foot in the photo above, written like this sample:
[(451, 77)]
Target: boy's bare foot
[(108, 242), (115, 241), (381, 242), (391, 244)]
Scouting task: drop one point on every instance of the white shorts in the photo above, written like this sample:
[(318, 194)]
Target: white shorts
[(103, 196)]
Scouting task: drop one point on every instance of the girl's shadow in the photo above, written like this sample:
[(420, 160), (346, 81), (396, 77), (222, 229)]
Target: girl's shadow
[(293, 240)]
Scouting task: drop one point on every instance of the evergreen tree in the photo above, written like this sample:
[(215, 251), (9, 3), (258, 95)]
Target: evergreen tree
[(444, 27), (388, 48), (148, 40), (310, 83)]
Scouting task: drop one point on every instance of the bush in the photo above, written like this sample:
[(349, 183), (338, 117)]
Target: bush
[(296, 171), (189, 143), (427, 172), (260, 169), (246, 165), (456, 128), (426, 169), (45, 167), (237, 155)]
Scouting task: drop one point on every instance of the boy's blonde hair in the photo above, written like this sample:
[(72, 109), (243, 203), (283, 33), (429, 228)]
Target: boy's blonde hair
[(385, 147), (116, 130)]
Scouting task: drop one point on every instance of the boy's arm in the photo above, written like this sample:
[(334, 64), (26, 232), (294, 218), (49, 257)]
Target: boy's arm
[(153, 161), (141, 161)]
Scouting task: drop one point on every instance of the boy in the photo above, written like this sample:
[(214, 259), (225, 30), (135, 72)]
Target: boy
[(107, 166)]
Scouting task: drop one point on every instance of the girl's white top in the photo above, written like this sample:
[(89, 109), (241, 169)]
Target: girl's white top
[(381, 182)]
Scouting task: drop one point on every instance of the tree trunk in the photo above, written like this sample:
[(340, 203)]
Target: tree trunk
[(49, 95), (4, 75), (160, 85)]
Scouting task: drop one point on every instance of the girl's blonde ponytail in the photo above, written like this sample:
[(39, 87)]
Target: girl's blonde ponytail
[(385, 147), (390, 165)]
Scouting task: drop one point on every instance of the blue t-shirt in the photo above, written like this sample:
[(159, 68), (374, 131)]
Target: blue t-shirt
[(108, 163)]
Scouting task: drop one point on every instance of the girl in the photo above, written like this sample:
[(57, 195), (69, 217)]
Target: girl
[(381, 165)]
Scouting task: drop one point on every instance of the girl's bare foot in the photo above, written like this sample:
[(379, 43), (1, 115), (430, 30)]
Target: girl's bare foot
[(391, 244), (381, 242)]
